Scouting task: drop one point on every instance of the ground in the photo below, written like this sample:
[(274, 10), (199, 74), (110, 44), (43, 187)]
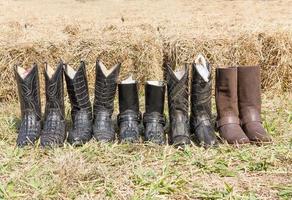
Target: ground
[(141, 34)]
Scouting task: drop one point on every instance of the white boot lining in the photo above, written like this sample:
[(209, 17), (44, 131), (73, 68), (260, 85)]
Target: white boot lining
[(180, 73), (23, 72), (49, 71), (70, 71), (201, 66), (106, 71), (155, 83), (128, 80)]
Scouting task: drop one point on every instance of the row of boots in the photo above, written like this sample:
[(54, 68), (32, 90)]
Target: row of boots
[(237, 100)]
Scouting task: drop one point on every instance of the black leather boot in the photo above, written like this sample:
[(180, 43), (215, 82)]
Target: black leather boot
[(129, 117), (54, 130), (105, 90), (81, 110), (178, 105), (30, 104), (202, 131), (153, 118)]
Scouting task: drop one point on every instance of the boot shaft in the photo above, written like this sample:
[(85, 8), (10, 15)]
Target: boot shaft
[(201, 88), (105, 87), (77, 87), (154, 96), (29, 91), (128, 97), (226, 92), (249, 87), (177, 90), (54, 90)]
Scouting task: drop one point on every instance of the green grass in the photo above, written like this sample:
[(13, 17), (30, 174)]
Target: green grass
[(147, 171)]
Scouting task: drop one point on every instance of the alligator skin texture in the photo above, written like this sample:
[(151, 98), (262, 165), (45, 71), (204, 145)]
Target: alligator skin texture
[(129, 122), (105, 90), (29, 97), (154, 127), (54, 130), (202, 131), (177, 90), (81, 110)]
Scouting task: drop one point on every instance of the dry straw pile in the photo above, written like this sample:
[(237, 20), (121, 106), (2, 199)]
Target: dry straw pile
[(142, 51)]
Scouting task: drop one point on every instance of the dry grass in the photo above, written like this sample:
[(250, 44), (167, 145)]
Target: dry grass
[(141, 34), (120, 171), (139, 37)]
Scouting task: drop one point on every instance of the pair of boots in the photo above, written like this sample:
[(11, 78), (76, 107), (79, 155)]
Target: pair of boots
[(54, 128), (199, 129), (85, 122), (129, 118), (84, 125), (238, 101)]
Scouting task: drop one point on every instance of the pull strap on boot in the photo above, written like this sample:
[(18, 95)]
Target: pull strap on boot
[(105, 90), (178, 105), (153, 118), (30, 104), (81, 110), (129, 117), (54, 130)]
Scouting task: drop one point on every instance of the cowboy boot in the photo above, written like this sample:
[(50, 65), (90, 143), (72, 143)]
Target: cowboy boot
[(81, 111), (228, 123), (153, 118), (129, 117), (202, 131), (54, 130), (177, 91), (30, 104), (105, 90), (249, 101)]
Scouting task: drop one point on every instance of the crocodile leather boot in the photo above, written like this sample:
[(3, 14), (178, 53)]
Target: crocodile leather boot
[(153, 118), (30, 104), (105, 90), (202, 131), (178, 105), (81, 110), (129, 117), (228, 123), (54, 130), (249, 102)]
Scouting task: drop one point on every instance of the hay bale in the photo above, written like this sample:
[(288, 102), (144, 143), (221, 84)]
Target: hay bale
[(141, 50), (271, 51)]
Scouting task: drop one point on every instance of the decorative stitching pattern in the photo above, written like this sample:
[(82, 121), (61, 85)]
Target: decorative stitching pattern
[(54, 130), (29, 97), (81, 110)]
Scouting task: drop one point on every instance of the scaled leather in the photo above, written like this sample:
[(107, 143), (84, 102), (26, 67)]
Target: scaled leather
[(249, 102), (201, 127), (54, 130), (29, 98), (178, 105), (105, 90), (153, 118), (129, 117), (228, 122), (81, 110)]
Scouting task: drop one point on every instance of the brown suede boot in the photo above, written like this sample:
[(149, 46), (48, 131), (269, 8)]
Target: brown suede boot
[(249, 101), (228, 123)]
